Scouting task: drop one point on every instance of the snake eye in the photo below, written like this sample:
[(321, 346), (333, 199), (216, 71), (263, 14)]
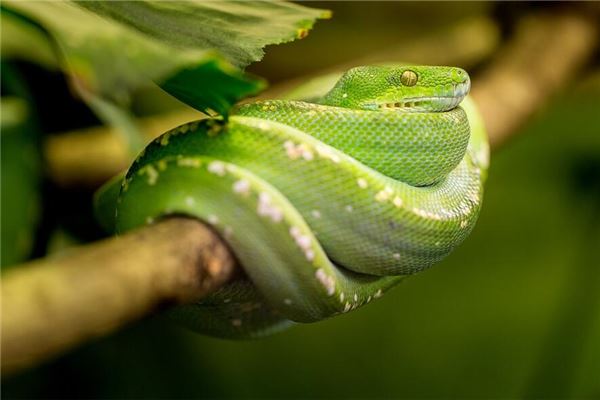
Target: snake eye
[(409, 78)]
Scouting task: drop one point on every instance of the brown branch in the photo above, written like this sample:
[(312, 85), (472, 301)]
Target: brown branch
[(89, 157), (54, 304), (544, 55)]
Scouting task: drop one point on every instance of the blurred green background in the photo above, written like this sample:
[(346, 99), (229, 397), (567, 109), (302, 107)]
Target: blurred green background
[(514, 312)]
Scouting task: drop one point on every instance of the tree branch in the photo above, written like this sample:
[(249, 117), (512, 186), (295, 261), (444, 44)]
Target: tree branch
[(54, 304), (544, 55)]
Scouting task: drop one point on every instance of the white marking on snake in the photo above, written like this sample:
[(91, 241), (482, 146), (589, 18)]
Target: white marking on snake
[(347, 307), (263, 125), (266, 208), (213, 219), (355, 297), (217, 168), (189, 162), (384, 195), (152, 174), (349, 208), (290, 149), (190, 201), (294, 231), (242, 187), (378, 294), (342, 297), (309, 254), (164, 140), (325, 152), (294, 152), (149, 220), (305, 151), (397, 201), (327, 281), (303, 241), (397, 256), (420, 213), (316, 213), (287, 301), (362, 183)]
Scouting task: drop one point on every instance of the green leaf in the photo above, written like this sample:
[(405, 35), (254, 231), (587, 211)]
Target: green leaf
[(111, 49), (238, 29), (20, 170), (20, 181), (23, 41)]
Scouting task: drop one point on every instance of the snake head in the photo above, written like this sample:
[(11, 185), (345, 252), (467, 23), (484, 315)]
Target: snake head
[(400, 88)]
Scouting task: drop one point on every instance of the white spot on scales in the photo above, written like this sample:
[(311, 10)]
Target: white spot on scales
[(242, 187), (362, 183), (303, 241), (188, 162), (266, 208), (294, 152), (152, 174), (325, 152), (327, 281), (217, 168), (384, 195)]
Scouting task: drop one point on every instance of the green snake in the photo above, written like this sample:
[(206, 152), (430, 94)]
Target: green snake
[(326, 204)]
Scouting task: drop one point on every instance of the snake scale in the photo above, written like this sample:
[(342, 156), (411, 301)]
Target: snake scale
[(327, 203)]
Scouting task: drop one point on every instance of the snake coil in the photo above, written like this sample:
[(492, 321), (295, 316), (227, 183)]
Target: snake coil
[(326, 204)]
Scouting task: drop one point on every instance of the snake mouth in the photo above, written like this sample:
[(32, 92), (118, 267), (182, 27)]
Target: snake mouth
[(435, 103)]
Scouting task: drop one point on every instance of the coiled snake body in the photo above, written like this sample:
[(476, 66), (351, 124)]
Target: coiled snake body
[(325, 204)]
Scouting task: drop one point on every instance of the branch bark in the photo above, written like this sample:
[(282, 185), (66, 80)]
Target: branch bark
[(54, 304), (546, 53)]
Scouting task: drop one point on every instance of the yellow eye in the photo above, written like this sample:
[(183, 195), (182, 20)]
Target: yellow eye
[(408, 78)]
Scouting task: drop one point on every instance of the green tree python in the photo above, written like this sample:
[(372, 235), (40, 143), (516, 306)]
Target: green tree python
[(326, 203)]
